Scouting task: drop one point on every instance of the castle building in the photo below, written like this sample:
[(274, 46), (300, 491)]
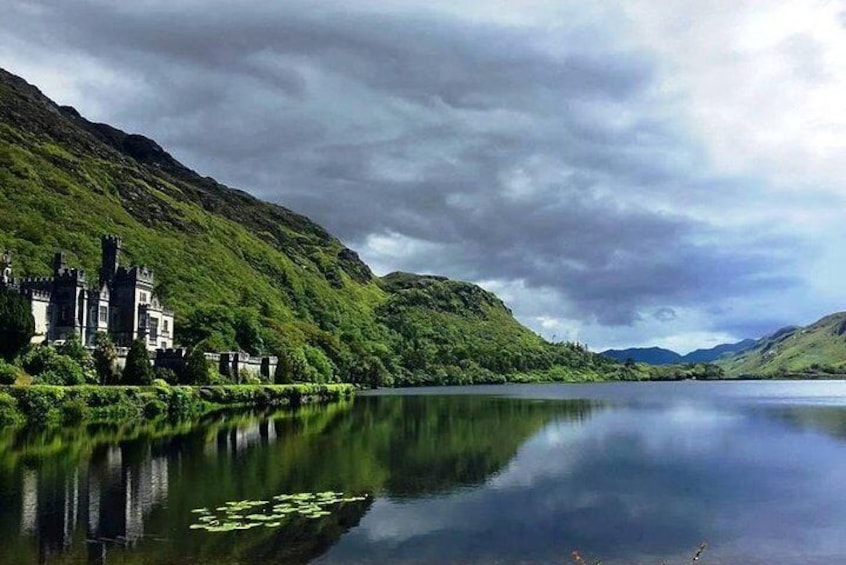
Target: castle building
[(122, 302)]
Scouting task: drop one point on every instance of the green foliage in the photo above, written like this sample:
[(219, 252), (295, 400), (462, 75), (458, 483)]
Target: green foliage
[(54, 405), (8, 373), (63, 371), (105, 359), (49, 367), (9, 413), (73, 348), (165, 377), (320, 367), (138, 370), (198, 370), (74, 411), (449, 332), (17, 326)]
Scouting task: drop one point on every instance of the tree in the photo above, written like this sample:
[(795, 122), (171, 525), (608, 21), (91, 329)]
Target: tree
[(138, 370), (17, 326), (105, 359), (197, 369)]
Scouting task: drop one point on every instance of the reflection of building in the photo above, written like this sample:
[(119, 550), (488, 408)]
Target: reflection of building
[(108, 501), (121, 302)]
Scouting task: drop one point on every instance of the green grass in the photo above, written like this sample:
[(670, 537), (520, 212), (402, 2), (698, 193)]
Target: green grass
[(818, 350)]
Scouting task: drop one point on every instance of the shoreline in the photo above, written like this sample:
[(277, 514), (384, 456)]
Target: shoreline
[(50, 405)]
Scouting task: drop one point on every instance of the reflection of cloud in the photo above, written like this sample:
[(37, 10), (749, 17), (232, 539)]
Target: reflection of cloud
[(630, 482)]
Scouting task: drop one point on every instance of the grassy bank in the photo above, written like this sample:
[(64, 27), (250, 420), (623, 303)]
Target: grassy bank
[(57, 405)]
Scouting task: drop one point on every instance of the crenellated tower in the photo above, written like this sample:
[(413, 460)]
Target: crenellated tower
[(111, 248)]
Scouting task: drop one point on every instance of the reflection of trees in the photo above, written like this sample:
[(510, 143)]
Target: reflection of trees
[(108, 485)]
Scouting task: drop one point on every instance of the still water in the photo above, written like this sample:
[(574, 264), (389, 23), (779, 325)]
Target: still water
[(626, 473)]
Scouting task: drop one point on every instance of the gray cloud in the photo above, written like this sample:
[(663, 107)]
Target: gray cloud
[(507, 153)]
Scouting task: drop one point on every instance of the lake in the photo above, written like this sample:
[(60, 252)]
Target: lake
[(622, 472)]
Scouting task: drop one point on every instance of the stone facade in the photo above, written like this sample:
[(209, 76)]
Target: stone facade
[(234, 365), (121, 302)]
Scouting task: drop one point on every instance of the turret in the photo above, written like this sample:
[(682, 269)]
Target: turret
[(111, 246), (59, 263)]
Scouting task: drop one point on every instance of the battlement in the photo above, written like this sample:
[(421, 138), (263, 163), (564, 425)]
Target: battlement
[(70, 275), (112, 240), (135, 273), (37, 294), (30, 283)]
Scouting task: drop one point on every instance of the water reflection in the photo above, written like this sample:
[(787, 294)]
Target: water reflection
[(454, 479), (102, 494)]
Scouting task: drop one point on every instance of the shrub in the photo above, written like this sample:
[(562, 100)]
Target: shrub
[(9, 413), (251, 378), (17, 326), (138, 370), (154, 408), (74, 411), (8, 373), (61, 371), (39, 403), (38, 359), (165, 376)]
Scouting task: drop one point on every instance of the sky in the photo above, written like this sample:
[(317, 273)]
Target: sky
[(621, 173)]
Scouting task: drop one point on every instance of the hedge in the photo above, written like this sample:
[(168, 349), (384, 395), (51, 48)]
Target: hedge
[(51, 405)]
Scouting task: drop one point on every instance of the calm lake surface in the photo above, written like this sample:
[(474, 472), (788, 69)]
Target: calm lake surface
[(623, 472)]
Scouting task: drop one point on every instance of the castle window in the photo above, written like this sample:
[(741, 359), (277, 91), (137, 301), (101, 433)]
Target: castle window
[(104, 315), (143, 297), (166, 326)]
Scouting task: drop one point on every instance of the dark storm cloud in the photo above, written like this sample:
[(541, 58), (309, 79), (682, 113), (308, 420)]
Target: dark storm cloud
[(511, 155)]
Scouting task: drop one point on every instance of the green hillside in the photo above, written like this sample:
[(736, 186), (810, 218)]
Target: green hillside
[(818, 350), (242, 273)]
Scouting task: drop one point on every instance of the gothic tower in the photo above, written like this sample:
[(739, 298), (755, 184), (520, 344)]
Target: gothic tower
[(111, 245)]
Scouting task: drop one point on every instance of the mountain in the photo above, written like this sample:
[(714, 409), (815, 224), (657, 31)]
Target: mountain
[(245, 274), (816, 350), (660, 356), (649, 355), (714, 353)]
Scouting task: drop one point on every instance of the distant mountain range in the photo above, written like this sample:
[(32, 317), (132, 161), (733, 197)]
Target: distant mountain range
[(814, 351), (661, 356)]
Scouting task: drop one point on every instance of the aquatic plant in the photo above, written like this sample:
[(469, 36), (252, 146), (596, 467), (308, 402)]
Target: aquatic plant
[(249, 514)]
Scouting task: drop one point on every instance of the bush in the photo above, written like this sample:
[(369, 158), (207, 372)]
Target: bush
[(9, 414), (61, 371), (8, 373), (38, 359), (39, 403), (155, 408), (74, 411), (165, 376)]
